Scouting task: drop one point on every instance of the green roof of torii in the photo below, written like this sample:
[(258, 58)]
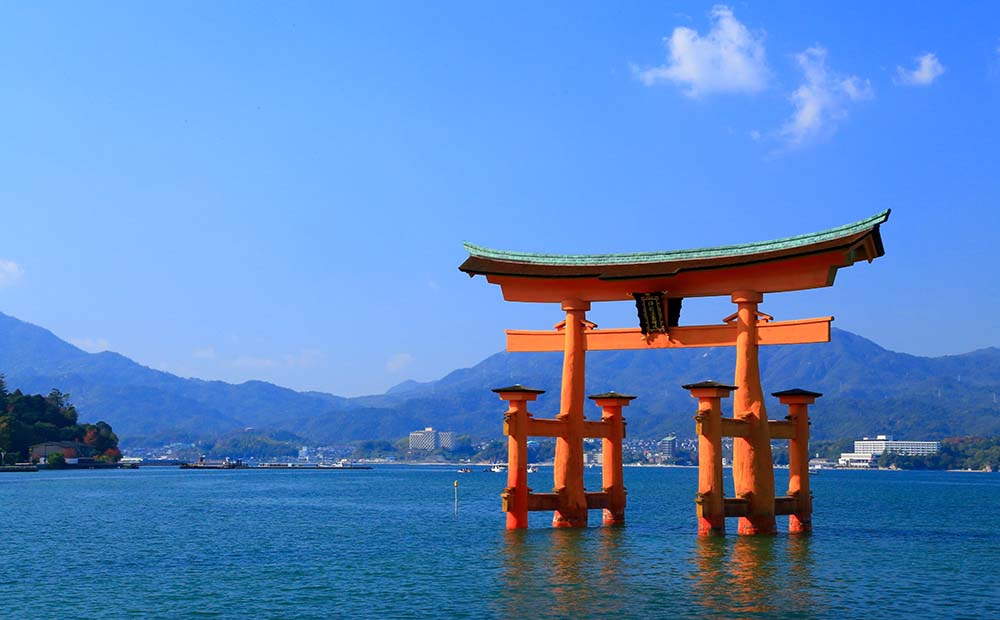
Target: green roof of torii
[(634, 258)]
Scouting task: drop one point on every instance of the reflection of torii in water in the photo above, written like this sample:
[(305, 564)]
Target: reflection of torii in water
[(657, 282)]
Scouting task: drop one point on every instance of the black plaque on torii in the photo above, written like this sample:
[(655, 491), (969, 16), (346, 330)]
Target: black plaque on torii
[(657, 312)]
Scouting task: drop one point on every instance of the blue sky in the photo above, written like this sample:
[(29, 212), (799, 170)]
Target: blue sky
[(280, 191)]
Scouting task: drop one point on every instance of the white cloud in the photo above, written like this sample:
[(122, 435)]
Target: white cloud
[(305, 358), (249, 361), (729, 59), (856, 89), (398, 361), (206, 353), (821, 101), (91, 345), (10, 273), (928, 69)]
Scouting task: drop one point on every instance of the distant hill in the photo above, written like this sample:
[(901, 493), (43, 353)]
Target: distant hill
[(140, 401), (867, 389)]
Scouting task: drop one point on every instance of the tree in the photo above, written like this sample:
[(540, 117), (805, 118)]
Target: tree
[(5, 432), (100, 437), (111, 455), (57, 398), (374, 449), (493, 452), (56, 461), (28, 419)]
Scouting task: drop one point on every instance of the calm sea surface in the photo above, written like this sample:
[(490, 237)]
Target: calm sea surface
[(386, 543)]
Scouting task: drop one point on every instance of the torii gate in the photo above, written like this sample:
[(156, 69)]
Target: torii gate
[(658, 282)]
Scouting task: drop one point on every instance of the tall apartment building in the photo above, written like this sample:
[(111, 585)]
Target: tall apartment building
[(429, 439), (668, 446), (423, 440), (446, 440)]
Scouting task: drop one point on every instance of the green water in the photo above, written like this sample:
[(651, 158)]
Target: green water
[(386, 543)]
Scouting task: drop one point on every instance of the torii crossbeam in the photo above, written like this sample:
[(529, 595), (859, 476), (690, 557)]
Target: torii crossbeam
[(781, 332), (658, 282)]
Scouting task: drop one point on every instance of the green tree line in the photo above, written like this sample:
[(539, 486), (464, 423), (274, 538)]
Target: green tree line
[(465, 449), (976, 453), (29, 419), (264, 445)]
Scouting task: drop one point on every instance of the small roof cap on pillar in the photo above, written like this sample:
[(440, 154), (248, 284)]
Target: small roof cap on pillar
[(714, 385), (611, 394), (796, 392), (517, 387)]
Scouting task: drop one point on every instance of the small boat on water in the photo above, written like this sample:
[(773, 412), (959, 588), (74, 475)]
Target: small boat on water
[(224, 464), (532, 469), (288, 465), (19, 467), (343, 464), (465, 470), (498, 469)]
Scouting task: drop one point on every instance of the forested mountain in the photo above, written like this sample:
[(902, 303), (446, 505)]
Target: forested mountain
[(867, 390), (137, 400)]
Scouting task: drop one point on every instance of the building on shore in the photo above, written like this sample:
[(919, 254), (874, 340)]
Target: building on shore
[(885, 443), (429, 439), (854, 460), (822, 463), (867, 450), (68, 449), (668, 447)]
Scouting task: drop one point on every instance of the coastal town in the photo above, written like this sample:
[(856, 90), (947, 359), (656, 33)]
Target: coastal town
[(430, 447)]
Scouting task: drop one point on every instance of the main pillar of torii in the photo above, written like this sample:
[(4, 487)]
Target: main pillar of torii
[(658, 282)]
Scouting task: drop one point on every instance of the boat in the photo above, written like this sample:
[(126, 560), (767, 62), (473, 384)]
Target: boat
[(498, 469), (287, 465), (343, 464), (465, 470), (532, 469), (225, 464), (19, 467)]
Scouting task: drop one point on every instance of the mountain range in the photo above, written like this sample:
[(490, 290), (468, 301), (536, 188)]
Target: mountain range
[(867, 389)]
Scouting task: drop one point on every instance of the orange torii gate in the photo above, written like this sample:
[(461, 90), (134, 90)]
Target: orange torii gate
[(658, 282)]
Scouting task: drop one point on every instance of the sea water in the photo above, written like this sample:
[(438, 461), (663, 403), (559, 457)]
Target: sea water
[(387, 543)]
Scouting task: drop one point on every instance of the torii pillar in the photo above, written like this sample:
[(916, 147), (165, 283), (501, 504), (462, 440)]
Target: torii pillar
[(798, 401), (711, 495), (516, 422), (568, 472), (612, 476), (753, 469)]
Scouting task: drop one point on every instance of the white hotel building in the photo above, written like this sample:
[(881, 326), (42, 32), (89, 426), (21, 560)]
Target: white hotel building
[(867, 450), (885, 443)]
